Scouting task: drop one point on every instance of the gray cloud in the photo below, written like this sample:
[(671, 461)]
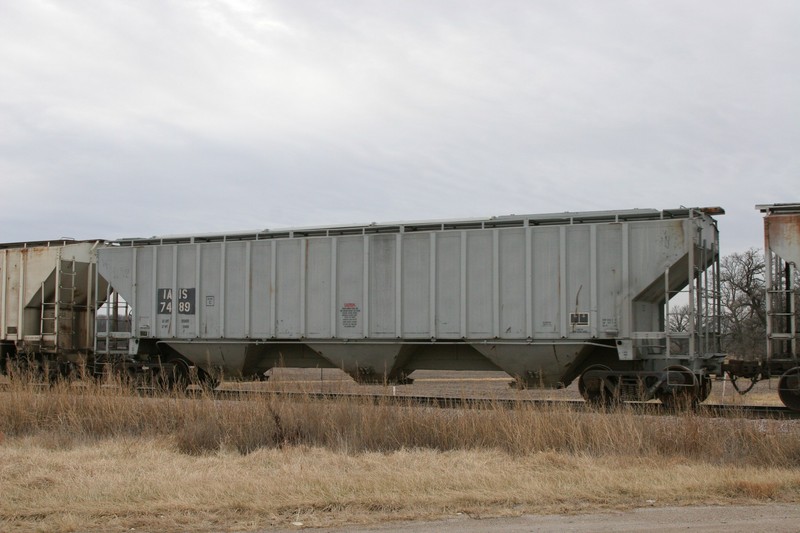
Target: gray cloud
[(124, 119)]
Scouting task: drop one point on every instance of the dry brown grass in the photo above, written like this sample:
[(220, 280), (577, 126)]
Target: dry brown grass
[(102, 458), (147, 484)]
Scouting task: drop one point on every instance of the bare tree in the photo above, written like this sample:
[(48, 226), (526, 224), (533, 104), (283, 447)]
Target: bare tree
[(679, 318), (742, 289)]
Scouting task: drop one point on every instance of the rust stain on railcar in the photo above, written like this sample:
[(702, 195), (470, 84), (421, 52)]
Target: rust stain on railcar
[(34, 252), (783, 235)]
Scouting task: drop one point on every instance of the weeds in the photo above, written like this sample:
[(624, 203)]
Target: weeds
[(90, 457), (65, 414)]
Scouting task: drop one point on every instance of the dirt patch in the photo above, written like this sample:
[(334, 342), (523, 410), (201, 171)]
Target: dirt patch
[(776, 518)]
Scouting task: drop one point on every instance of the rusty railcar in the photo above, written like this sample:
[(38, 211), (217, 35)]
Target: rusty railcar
[(782, 284), (48, 303)]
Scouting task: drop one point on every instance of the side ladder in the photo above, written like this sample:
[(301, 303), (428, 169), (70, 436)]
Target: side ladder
[(781, 304), (57, 316), (112, 333)]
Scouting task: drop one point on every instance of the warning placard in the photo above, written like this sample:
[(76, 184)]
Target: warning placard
[(349, 312)]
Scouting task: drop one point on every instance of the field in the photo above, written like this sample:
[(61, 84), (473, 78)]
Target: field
[(88, 458)]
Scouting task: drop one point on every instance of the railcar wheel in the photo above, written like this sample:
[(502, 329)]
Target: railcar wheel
[(209, 380), (789, 388), (705, 388), (27, 369), (594, 390), (685, 391), (178, 379)]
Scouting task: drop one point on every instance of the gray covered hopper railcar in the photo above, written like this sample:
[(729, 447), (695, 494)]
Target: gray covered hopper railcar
[(546, 298)]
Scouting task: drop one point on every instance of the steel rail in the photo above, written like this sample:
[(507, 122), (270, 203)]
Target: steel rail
[(461, 402), (456, 402)]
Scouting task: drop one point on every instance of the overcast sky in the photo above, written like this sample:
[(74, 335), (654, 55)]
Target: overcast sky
[(138, 118)]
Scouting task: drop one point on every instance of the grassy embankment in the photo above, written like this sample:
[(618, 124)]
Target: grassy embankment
[(101, 458)]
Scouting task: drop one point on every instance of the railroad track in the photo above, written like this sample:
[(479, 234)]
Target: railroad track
[(751, 411), (458, 402), (450, 402)]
